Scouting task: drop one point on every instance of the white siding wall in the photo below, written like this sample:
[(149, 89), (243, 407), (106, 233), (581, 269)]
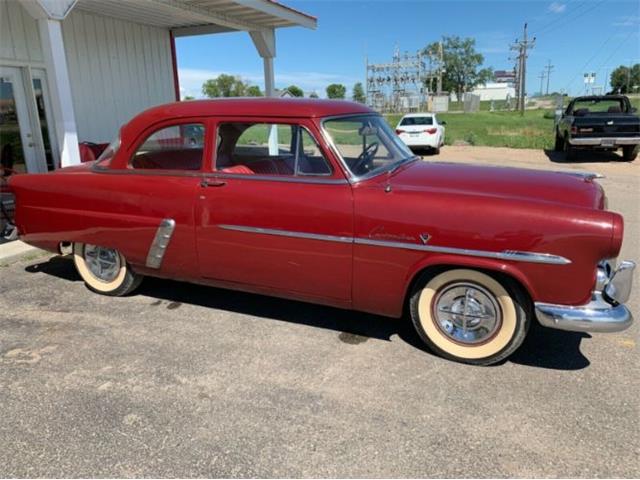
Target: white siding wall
[(117, 68), (19, 37)]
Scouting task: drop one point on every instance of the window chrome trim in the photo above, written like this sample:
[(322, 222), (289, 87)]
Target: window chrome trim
[(280, 178), (510, 255)]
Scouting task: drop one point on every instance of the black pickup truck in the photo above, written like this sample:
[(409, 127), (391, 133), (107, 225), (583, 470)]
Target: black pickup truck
[(606, 122)]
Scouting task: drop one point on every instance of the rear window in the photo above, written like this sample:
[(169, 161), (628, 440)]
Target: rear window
[(408, 121), (584, 107)]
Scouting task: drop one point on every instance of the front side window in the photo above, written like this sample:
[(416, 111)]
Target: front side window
[(268, 149), (367, 144), (178, 147)]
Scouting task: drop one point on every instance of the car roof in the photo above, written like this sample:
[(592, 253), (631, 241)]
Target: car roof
[(272, 107)]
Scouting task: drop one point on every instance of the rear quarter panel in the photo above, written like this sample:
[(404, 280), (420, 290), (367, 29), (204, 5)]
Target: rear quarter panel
[(120, 211)]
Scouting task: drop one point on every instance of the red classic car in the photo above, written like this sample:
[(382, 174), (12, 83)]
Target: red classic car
[(320, 201)]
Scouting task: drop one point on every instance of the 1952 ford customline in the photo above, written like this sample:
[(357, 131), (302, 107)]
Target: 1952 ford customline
[(320, 201)]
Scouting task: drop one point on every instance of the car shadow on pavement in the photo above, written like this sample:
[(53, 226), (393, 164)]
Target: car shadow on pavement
[(584, 156), (543, 347)]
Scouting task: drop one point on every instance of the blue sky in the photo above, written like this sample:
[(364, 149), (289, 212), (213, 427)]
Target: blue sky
[(576, 35)]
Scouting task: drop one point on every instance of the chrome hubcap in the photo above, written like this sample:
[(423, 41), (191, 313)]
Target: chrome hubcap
[(103, 263), (467, 313)]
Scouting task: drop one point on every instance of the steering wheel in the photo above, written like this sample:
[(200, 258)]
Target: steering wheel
[(365, 159)]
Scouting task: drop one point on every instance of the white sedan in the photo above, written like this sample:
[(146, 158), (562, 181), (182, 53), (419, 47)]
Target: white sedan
[(421, 130)]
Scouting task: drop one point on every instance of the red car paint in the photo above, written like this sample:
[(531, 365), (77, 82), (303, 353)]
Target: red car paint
[(462, 207)]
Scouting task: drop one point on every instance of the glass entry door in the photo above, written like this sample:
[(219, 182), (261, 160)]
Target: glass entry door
[(22, 147)]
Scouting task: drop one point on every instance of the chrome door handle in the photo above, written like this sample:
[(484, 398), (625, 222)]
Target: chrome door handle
[(212, 182)]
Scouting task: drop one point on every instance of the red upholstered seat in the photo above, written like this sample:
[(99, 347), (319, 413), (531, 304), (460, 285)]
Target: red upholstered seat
[(238, 169), (86, 153)]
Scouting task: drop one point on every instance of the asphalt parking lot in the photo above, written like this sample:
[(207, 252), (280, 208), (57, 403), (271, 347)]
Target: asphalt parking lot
[(182, 380)]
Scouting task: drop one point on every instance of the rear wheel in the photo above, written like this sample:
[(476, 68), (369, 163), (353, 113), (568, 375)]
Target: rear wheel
[(469, 316), (104, 270), (559, 145), (569, 151), (630, 153)]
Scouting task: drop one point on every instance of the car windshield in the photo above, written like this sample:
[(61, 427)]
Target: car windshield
[(367, 144), (408, 121)]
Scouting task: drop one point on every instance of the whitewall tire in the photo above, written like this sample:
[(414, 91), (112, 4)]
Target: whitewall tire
[(469, 316), (104, 270)]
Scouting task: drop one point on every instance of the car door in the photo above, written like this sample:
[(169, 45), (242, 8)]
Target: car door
[(276, 212)]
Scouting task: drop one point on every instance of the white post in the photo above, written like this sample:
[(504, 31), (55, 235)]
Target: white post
[(60, 88), (265, 43)]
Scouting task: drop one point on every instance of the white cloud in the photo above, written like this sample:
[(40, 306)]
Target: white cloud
[(191, 80), (557, 7)]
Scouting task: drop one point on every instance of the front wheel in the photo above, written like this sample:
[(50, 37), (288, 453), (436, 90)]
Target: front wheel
[(469, 316), (104, 270)]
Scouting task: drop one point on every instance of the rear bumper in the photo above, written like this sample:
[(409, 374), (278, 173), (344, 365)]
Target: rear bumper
[(432, 141), (605, 142), (605, 312)]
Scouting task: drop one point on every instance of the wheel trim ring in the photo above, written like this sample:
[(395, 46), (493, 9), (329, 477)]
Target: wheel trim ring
[(87, 276), (496, 305)]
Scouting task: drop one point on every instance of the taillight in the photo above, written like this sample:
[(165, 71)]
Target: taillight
[(398, 131), (431, 131), (574, 129)]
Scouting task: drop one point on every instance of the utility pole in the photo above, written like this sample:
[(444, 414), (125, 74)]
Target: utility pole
[(541, 77), (548, 68), (440, 66), (522, 47)]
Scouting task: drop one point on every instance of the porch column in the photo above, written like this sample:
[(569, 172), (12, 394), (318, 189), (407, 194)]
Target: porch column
[(49, 15), (60, 85), (265, 43)]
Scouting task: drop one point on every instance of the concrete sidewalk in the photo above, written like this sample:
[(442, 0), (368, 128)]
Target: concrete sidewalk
[(15, 249)]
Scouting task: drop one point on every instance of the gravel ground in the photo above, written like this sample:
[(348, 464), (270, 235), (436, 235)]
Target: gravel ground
[(182, 380)]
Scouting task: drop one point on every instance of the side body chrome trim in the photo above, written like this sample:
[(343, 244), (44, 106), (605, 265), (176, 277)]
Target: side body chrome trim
[(160, 243), (287, 233), (511, 255)]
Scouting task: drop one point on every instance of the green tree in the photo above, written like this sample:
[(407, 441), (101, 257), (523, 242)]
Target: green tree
[(358, 93), (295, 91), (462, 64), (188, 97), (253, 91), (336, 90), (623, 78), (313, 95), (224, 86)]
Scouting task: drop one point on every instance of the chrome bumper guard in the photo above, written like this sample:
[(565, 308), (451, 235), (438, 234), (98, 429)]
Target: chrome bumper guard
[(604, 313), (604, 141)]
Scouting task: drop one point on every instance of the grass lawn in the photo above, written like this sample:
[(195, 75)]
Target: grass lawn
[(496, 129)]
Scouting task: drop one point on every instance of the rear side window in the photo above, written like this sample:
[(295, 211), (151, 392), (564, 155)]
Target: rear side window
[(178, 147), (408, 121)]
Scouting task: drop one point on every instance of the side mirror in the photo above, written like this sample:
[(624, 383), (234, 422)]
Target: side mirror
[(443, 123), (634, 109)]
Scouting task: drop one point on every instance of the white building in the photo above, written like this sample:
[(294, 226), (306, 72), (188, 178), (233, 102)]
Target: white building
[(492, 91), (75, 70)]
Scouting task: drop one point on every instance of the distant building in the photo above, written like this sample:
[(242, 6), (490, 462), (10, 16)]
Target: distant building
[(492, 91), (505, 76)]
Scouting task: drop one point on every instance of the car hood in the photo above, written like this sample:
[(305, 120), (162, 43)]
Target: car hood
[(566, 188)]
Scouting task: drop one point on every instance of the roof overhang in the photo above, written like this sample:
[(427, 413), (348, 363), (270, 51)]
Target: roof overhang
[(199, 17)]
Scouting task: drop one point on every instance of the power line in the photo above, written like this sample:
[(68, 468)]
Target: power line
[(596, 53), (560, 18), (557, 23)]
